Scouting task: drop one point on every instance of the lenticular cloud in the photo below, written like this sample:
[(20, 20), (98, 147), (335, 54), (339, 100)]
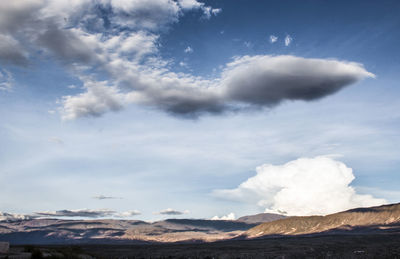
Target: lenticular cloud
[(306, 186)]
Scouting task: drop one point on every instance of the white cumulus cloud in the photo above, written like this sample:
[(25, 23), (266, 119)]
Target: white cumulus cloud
[(230, 216), (306, 186)]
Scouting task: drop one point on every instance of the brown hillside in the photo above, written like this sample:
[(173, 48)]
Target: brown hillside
[(381, 215)]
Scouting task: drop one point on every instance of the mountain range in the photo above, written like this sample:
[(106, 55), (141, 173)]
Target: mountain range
[(59, 231)]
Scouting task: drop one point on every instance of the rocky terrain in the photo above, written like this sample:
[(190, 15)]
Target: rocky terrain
[(356, 220), (58, 231)]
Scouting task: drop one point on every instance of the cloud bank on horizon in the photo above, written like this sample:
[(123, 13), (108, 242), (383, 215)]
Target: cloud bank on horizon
[(5, 216), (88, 213), (230, 216), (302, 187), (120, 39)]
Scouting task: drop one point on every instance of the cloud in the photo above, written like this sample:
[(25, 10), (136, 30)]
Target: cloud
[(4, 216), (269, 80), (71, 30), (98, 99), (248, 81), (128, 214), (145, 14), (306, 186), (103, 197), (170, 211), (208, 11), (86, 213), (273, 38), (11, 51), (15, 14), (183, 64), (288, 40), (6, 80), (248, 44), (188, 50), (230, 216), (117, 41)]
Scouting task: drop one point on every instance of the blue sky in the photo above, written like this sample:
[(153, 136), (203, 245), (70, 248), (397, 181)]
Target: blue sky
[(125, 106)]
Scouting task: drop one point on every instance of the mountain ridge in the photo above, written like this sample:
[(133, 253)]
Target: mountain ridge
[(112, 231), (359, 217)]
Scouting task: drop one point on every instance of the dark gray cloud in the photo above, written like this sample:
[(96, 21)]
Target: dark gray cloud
[(186, 102), (78, 213), (87, 213), (14, 15), (66, 45), (258, 81), (267, 81), (170, 211), (11, 51), (82, 213)]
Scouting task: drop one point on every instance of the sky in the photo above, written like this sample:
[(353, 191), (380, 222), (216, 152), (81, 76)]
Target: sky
[(150, 109)]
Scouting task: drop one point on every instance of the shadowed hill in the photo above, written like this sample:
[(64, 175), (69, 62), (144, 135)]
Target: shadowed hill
[(260, 218), (56, 231), (381, 215)]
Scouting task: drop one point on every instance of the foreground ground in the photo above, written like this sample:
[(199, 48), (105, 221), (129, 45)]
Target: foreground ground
[(334, 246)]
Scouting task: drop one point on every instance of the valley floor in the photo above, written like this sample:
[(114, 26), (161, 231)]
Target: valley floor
[(331, 246)]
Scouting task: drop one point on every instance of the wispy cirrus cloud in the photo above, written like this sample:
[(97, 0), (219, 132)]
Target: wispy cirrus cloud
[(103, 197)]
